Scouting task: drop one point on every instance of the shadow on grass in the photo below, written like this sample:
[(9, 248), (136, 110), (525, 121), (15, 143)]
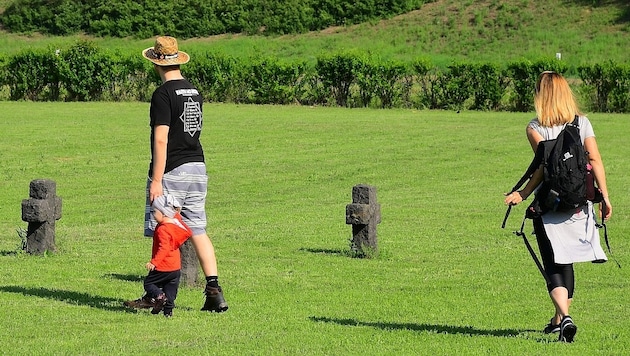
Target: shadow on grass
[(125, 277), (441, 329), (326, 251), (71, 297), (8, 253)]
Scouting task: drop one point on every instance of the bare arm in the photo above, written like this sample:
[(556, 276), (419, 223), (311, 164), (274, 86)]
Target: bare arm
[(533, 137), (160, 141), (595, 159), (516, 197)]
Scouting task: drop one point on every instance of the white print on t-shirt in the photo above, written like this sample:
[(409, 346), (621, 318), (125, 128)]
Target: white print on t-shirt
[(191, 117), (187, 92)]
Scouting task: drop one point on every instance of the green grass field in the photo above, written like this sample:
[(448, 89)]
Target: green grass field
[(448, 280)]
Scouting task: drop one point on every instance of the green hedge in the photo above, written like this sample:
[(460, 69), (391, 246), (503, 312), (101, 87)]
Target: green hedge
[(608, 85), (84, 72), (193, 18)]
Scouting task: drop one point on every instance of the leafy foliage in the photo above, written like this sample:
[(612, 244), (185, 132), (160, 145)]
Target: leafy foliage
[(194, 18), (524, 75), (84, 72), (610, 85), (33, 75)]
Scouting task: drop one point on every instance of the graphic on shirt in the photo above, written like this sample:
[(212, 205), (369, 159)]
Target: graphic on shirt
[(191, 117), (187, 92)]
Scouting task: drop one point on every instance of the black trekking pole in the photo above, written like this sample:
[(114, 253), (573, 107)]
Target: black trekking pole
[(532, 252)]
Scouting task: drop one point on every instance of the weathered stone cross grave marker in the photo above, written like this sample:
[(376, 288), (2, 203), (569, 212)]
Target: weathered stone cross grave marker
[(41, 211), (363, 214), (190, 264)]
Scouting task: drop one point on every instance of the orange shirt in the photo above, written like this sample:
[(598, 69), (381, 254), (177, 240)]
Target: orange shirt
[(167, 239)]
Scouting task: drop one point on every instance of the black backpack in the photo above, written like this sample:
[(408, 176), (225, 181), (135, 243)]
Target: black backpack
[(565, 171)]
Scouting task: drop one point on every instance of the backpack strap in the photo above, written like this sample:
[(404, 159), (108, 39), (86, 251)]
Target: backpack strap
[(576, 122)]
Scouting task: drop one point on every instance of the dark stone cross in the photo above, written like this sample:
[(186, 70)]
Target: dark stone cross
[(190, 264), (41, 211), (363, 214)]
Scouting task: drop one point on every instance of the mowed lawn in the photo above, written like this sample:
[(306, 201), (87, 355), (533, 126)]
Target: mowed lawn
[(448, 280)]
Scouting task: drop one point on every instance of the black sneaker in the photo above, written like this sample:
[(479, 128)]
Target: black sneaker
[(551, 327), (567, 329), (160, 300), (214, 300)]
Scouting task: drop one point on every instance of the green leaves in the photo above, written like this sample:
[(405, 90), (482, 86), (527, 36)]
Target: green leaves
[(609, 86), (194, 18), (84, 72)]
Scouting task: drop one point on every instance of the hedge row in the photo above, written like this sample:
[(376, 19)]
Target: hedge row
[(84, 72), (193, 18)]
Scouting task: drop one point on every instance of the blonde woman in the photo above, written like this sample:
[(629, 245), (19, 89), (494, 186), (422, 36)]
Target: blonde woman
[(563, 237)]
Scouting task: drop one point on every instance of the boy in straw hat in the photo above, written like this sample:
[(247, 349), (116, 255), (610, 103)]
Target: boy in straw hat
[(162, 282), (177, 161)]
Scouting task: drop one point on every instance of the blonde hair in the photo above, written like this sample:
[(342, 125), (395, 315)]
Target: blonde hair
[(554, 101)]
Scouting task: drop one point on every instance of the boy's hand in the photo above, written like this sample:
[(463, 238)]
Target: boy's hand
[(150, 266)]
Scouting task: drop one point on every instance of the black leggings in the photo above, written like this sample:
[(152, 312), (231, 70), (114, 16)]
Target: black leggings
[(560, 275), (157, 282)]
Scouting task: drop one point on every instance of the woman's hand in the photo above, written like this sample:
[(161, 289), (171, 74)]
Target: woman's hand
[(608, 209), (513, 198)]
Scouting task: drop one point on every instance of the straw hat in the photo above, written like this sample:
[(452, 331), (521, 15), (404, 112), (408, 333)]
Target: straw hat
[(165, 52)]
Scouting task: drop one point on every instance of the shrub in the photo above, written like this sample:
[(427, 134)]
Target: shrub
[(337, 73), (33, 75), (424, 72), (524, 75), (609, 84), (86, 71), (489, 84), (220, 78), (273, 82), (132, 78), (390, 86)]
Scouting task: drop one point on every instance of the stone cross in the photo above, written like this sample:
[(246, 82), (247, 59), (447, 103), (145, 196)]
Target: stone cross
[(363, 214), (41, 211), (190, 264)]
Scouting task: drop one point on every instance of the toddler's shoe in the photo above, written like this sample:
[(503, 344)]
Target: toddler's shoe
[(160, 300), (140, 303)]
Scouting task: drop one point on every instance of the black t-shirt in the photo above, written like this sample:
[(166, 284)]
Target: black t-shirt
[(178, 104)]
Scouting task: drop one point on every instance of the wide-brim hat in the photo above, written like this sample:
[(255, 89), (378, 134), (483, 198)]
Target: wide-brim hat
[(165, 52)]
